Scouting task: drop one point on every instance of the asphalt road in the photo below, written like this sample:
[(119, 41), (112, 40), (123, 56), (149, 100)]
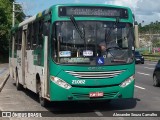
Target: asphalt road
[(146, 98)]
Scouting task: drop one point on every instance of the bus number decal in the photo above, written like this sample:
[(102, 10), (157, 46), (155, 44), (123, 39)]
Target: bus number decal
[(78, 81)]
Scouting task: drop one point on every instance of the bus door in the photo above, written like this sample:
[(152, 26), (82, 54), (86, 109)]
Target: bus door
[(30, 77), (21, 57), (46, 32)]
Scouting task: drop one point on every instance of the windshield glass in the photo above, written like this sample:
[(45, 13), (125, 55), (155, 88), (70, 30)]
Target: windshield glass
[(92, 43)]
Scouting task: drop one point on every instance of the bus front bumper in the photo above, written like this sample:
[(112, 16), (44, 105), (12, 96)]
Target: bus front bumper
[(58, 93)]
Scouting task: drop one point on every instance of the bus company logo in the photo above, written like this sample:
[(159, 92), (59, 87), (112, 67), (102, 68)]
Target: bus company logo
[(95, 68), (6, 114)]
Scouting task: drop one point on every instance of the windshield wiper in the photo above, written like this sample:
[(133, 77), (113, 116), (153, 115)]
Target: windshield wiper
[(81, 34)]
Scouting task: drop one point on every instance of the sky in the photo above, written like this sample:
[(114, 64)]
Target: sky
[(146, 11)]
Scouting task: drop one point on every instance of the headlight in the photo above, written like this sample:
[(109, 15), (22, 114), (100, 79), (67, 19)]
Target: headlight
[(142, 57), (127, 82), (60, 82)]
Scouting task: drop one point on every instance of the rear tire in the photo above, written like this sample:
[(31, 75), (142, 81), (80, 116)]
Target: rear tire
[(18, 85), (155, 81)]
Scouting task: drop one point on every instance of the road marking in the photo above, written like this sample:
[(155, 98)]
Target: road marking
[(149, 68), (143, 73), (98, 113), (150, 64), (139, 87)]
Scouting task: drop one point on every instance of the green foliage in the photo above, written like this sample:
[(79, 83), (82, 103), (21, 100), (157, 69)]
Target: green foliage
[(6, 24), (5, 20), (153, 28)]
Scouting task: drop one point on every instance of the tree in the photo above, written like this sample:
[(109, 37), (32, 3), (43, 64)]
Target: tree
[(6, 24)]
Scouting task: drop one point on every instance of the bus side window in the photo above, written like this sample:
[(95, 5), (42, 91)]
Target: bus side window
[(19, 39), (10, 44), (29, 37), (46, 28), (40, 34), (54, 42), (16, 41), (34, 35)]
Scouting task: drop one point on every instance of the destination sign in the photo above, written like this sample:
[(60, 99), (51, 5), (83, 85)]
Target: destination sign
[(93, 11)]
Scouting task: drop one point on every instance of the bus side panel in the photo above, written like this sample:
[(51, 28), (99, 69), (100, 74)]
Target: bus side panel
[(38, 62), (12, 67), (21, 60), (30, 72), (19, 66)]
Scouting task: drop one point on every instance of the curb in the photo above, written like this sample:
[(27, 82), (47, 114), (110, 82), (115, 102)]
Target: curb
[(4, 81)]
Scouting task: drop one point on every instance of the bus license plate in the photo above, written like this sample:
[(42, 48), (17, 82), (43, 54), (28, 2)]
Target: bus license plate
[(96, 94)]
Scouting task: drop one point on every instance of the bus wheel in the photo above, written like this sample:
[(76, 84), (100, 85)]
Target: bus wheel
[(155, 81), (18, 85), (42, 100)]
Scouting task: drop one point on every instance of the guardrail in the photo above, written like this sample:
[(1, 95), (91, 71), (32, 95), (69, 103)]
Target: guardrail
[(152, 57)]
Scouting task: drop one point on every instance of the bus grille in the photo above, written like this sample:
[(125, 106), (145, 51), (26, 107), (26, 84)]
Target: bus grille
[(86, 96), (95, 75)]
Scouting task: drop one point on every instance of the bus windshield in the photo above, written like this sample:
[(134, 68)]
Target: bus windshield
[(92, 43)]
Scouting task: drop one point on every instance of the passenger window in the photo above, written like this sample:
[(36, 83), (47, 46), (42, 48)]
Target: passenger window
[(46, 27), (40, 34), (19, 39), (34, 35), (16, 41), (29, 31), (11, 44)]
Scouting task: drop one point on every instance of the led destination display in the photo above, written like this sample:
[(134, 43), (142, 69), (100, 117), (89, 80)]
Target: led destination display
[(93, 11)]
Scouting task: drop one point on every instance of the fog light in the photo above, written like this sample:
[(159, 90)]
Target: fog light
[(70, 97), (120, 95)]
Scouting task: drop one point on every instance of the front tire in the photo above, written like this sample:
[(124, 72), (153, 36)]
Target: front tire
[(42, 100), (155, 81)]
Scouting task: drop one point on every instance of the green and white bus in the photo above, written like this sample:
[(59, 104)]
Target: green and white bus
[(57, 53)]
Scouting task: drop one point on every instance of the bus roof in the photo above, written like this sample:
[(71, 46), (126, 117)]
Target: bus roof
[(38, 15)]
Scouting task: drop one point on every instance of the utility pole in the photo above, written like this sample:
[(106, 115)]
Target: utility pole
[(13, 15)]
